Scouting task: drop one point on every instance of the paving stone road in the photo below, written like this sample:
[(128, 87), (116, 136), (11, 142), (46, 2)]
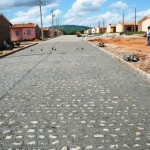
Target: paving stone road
[(65, 94)]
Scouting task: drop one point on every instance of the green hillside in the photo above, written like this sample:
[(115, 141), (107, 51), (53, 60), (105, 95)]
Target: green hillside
[(70, 29)]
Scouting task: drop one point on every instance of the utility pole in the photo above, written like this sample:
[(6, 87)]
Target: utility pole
[(53, 15), (40, 3), (123, 22), (56, 21), (135, 21), (103, 24), (52, 11), (99, 23)]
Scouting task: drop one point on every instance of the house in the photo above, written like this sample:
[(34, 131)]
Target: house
[(100, 30), (88, 31), (93, 30), (144, 23), (46, 32), (51, 33), (20, 32), (5, 26), (111, 28), (127, 25)]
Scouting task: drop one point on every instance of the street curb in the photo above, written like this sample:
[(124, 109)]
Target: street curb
[(144, 74), (1, 56)]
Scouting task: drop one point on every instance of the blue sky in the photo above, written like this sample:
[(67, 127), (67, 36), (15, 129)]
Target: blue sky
[(78, 12)]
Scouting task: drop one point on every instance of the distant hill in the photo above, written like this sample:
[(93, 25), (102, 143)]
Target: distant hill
[(70, 29)]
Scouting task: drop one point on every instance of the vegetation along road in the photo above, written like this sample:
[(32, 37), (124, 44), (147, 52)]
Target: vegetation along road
[(66, 94)]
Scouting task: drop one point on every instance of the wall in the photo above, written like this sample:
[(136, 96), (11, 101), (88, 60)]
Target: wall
[(37, 32), (97, 30), (140, 23), (46, 33), (109, 29), (119, 28), (14, 37), (145, 24), (4, 30), (28, 37)]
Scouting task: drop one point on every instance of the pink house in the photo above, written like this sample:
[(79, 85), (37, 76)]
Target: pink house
[(20, 32), (51, 33)]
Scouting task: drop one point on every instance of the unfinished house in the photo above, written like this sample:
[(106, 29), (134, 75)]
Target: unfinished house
[(5, 26)]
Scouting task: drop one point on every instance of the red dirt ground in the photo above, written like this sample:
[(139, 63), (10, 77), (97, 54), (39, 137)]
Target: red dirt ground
[(125, 45)]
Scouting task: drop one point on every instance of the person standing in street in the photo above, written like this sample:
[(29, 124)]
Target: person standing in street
[(148, 36)]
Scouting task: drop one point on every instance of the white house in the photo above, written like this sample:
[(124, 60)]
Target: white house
[(145, 24), (93, 30), (111, 28)]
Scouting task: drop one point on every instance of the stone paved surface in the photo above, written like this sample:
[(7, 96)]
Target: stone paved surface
[(72, 98)]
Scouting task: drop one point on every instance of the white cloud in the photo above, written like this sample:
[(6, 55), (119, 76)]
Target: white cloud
[(130, 17), (108, 19), (82, 7), (118, 5), (33, 16), (57, 12)]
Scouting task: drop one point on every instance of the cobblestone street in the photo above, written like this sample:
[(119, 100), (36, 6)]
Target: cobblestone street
[(65, 94)]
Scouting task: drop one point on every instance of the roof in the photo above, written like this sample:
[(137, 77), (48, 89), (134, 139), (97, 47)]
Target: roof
[(29, 25), (5, 18), (128, 23), (45, 29), (143, 19)]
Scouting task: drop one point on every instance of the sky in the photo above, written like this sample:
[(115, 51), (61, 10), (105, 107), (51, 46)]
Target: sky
[(89, 13)]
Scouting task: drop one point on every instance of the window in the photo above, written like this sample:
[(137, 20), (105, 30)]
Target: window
[(17, 33), (28, 32)]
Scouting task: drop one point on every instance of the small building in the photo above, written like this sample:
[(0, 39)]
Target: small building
[(144, 23), (93, 30), (111, 28), (46, 32), (51, 33), (21, 32), (100, 30), (88, 31), (127, 25), (5, 26)]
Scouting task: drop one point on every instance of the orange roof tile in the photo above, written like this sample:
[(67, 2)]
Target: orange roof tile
[(128, 23), (29, 25), (143, 19), (45, 29)]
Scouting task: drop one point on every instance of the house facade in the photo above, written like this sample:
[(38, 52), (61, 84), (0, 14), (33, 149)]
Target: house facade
[(46, 32), (127, 25), (88, 31), (140, 23), (20, 32), (93, 30), (145, 24), (111, 28), (5, 26), (100, 30)]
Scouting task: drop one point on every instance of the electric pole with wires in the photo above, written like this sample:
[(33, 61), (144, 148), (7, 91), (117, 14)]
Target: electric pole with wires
[(40, 4)]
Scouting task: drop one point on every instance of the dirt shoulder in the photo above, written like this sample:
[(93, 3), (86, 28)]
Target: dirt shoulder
[(121, 46)]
